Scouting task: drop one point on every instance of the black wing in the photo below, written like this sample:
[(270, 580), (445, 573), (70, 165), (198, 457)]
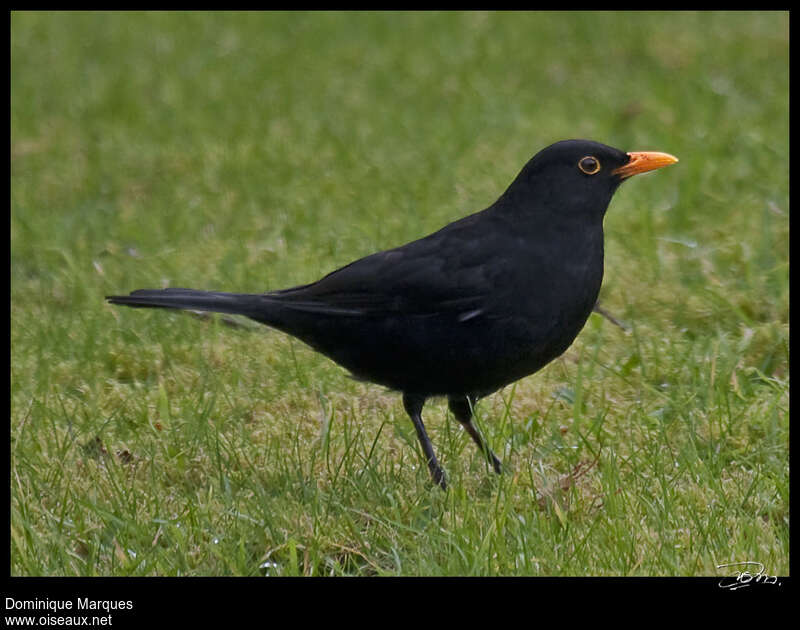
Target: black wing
[(452, 271)]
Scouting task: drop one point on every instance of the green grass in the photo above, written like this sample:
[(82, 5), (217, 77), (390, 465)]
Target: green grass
[(258, 151)]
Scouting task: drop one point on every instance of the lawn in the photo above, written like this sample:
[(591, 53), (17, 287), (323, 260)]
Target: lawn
[(249, 152)]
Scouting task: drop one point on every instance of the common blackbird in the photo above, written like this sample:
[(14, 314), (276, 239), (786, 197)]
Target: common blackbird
[(479, 304)]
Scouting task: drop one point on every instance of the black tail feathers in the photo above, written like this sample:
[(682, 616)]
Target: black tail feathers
[(234, 303)]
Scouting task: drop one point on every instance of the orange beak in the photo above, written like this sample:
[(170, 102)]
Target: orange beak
[(643, 161)]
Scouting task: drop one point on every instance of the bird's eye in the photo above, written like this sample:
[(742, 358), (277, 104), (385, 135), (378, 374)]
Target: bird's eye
[(589, 165)]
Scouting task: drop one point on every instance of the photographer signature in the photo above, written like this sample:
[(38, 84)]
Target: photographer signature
[(742, 577)]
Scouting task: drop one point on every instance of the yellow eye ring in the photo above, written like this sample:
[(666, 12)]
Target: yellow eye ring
[(589, 164)]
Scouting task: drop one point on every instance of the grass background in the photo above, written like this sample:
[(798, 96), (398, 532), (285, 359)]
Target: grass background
[(257, 151)]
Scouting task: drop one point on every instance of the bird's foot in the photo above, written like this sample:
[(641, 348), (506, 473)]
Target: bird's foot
[(438, 476)]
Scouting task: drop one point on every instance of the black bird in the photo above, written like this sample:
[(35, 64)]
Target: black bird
[(481, 303)]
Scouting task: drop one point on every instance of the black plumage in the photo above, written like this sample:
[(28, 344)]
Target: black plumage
[(479, 304)]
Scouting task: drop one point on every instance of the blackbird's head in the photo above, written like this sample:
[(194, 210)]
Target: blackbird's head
[(579, 176)]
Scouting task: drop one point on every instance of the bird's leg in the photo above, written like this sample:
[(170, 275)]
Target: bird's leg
[(413, 404), (462, 410)]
